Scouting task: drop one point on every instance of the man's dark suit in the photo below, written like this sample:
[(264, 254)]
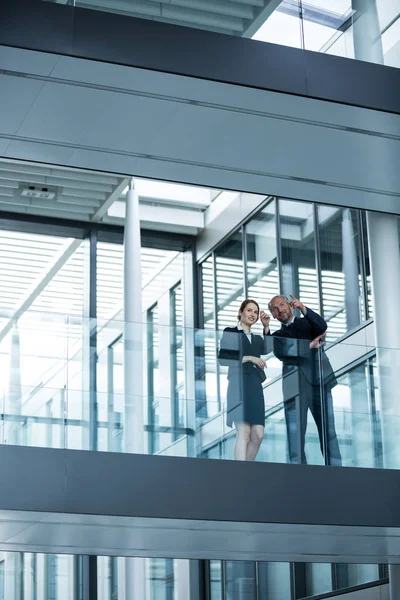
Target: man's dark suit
[(302, 385)]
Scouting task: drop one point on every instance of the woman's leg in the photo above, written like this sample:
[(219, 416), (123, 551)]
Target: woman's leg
[(243, 431), (256, 438)]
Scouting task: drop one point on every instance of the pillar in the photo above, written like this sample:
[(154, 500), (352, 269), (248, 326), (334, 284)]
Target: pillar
[(367, 32), (13, 402), (384, 251), (135, 574), (360, 419), (350, 271), (384, 254)]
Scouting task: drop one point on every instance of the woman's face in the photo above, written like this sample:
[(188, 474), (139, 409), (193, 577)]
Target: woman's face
[(249, 315)]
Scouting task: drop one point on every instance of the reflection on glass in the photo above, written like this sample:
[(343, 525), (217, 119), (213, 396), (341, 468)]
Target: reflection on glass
[(215, 567), (341, 273), (368, 279), (352, 575), (229, 280), (274, 446), (318, 578), (240, 580), (283, 26), (356, 417), (178, 408), (155, 404), (160, 573), (261, 255), (206, 347), (274, 581), (299, 275)]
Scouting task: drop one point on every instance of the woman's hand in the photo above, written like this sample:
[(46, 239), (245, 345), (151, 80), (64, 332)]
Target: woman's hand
[(265, 319), (256, 360)]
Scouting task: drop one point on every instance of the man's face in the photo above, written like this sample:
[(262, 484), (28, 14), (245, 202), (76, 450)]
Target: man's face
[(281, 309)]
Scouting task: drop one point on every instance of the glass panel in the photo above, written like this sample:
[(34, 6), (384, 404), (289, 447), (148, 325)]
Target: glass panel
[(299, 275), (356, 418), (156, 405), (274, 447), (352, 575), (341, 275), (215, 580), (240, 580), (282, 26), (274, 581), (206, 346), (365, 30), (177, 362), (368, 279), (318, 578), (262, 263), (34, 576), (38, 273), (229, 276), (161, 578)]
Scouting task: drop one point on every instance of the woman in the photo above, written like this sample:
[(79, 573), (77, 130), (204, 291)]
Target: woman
[(240, 350)]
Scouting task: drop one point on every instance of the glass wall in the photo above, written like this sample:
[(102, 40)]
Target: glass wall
[(342, 269), (31, 576), (367, 30), (319, 254), (243, 580)]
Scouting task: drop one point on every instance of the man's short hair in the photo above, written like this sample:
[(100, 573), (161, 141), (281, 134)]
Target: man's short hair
[(274, 298)]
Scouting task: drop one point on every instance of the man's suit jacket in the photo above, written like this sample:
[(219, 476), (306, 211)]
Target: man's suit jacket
[(301, 366)]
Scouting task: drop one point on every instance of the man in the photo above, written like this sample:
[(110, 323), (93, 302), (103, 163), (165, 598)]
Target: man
[(298, 345)]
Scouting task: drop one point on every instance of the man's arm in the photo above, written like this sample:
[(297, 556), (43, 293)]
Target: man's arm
[(318, 325)]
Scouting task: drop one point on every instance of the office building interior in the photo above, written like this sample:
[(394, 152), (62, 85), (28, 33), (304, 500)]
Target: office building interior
[(140, 204)]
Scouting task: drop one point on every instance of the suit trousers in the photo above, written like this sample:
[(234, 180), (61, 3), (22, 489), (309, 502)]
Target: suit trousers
[(296, 410)]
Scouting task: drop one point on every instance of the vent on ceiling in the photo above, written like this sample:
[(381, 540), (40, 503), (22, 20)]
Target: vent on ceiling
[(38, 192)]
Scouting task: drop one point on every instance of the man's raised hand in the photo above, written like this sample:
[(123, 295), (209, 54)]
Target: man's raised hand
[(295, 303)]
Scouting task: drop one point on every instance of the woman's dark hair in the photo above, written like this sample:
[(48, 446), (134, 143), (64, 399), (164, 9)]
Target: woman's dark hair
[(244, 304)]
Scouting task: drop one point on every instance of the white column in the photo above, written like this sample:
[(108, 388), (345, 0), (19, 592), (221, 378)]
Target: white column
[(366, 32), (384, 251), (350, 272), (13, 402), (133, 338), (135, 575), (189, 350), (385, 264)]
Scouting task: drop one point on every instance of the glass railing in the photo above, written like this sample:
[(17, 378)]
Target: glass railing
[(368, 31), (69, 382)]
